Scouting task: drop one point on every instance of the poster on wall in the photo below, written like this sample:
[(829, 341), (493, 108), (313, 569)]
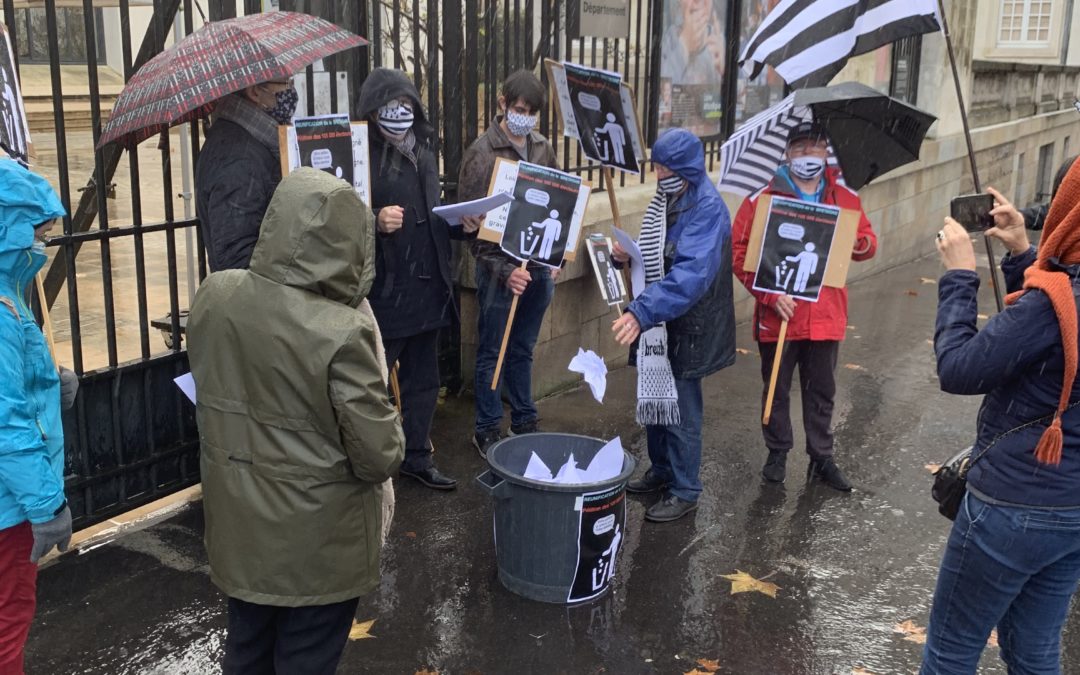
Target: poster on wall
[(600, 533), (543, 222), (692, 64), (14, 130), (331, 143), (757, 94), (595, 100)]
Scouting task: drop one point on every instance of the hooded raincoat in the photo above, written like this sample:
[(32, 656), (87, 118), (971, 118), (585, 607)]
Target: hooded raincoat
[(31, 435), (296, 427), (695, 297)]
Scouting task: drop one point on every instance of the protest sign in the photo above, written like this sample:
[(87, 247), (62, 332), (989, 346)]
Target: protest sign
[(612, 288), (600, 532), (778, 253), (14, 130), (331, 143), (597, 108), (543, 222)]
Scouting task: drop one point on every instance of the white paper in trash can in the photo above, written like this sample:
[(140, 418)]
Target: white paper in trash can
[(605, 465), (537, 470)]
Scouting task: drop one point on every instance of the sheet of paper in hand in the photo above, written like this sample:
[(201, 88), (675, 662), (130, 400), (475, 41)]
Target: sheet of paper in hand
[(597, 108), (543, 222), (796, 243), (612, 288), (331, 143)]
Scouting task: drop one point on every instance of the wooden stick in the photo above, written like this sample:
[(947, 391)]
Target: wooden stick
[(775, 373), (506, 334), (395, 387), (609, 179), (46, 320)]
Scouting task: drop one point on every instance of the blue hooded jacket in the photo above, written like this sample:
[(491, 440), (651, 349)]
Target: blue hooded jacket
[(695, 297), (31, 435)]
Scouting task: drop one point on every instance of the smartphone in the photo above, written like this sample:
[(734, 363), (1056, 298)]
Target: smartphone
[(973, 212)]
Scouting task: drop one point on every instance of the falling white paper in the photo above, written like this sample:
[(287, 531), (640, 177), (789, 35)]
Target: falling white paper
[(607, 463), (537, 470), (589, 364), (637, 266), (187, 385)]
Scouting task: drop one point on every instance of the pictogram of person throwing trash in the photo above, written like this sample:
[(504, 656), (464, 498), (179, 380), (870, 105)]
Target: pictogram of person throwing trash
[(545, 232), (616, 140), (805, 265)]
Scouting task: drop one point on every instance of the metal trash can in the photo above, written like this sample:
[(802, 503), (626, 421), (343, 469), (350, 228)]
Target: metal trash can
[(555, 543)]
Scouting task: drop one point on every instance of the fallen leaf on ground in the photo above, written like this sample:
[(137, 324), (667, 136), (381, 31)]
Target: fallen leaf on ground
[(425, 671), (859, 670), (992, 641), (932, 468), (410, 535), (851, 327), (911, 292), (853, 366), (742, 351), (984, 317), (695, 671), (709, 665), (360, 630), (911, 632), (741, 582), (927, 280), (930, 342)]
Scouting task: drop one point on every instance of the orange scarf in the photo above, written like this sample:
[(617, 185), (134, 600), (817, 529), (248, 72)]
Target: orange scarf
[(1061, 241)]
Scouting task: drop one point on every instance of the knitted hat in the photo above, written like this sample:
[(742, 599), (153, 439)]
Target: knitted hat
[(1060, 245)]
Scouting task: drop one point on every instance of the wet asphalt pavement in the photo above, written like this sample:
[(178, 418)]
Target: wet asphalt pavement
[(849, 567)]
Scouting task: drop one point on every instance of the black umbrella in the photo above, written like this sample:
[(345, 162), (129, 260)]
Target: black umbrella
[(869, 133)]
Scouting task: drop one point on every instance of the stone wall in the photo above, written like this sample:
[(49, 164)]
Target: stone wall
[(906, 208)]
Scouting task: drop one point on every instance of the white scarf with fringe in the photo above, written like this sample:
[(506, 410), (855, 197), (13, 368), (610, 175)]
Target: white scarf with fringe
[(657, 398)]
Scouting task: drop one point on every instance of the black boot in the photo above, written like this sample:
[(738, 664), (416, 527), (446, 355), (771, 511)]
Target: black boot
[(825, 470), (775, 468)]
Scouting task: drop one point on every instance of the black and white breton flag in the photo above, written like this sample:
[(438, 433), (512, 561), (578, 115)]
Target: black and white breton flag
[(809, 41)]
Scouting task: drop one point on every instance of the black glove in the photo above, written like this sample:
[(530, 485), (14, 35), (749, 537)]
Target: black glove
[(56, 532), (69, 387)]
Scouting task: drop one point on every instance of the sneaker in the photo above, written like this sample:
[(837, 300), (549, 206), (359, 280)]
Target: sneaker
[(649, 482), (482, 440), (827, 472), (668, 509), (522, 429), (775, 469)]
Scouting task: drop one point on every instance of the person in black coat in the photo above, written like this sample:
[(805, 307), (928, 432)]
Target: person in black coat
[(239, 168), (413, 294)]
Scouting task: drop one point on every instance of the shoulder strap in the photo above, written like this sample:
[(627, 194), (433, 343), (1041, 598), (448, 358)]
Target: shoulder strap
[(1045, 419)]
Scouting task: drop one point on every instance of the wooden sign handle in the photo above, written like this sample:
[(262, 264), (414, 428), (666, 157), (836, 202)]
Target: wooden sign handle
[(609, 180), (775, 373), (506, 334), (395, 387), (46, 320)]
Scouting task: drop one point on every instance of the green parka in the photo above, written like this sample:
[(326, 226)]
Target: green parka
[(296, 427)]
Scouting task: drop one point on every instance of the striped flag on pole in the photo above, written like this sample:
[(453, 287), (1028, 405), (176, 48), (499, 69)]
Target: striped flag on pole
[(809, 41)]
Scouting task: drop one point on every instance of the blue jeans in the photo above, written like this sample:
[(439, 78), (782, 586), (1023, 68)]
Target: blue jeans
[(494, 301), (675, 451), (1014, 568)]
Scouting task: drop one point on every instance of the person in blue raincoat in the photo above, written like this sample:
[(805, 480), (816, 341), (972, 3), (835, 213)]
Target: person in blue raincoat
[(34, 515), (682, 325)]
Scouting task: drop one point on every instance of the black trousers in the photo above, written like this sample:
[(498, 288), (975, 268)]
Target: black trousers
[(816, 360), (264, 639), (417, 357)]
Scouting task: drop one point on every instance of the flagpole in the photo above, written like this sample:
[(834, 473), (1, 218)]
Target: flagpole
[(970, 148)]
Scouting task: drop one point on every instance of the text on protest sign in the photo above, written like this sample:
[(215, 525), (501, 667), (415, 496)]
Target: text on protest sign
[(331, 143)]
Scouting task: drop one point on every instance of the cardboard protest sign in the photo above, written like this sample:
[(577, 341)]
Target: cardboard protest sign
[(331, 143), (796, 244), (597, 108), (14, 130), (543, 222), (612, 287), (836, 259), (600, 533)]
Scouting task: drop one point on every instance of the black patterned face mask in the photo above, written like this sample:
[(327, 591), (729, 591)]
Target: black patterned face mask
[(285, 105)]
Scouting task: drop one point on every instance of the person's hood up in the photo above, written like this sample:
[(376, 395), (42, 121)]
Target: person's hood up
[(26, 201), (683, 153), (317, 235), (384, 85)]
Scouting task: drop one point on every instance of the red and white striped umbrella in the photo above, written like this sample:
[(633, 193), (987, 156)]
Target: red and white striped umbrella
[(182, 83)]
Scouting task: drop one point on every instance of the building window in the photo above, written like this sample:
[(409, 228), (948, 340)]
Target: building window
[(1045, 169), (904, 83), (1025, 21), (33, 36)]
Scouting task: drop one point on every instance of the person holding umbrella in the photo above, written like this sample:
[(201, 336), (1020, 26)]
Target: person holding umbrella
[(239, 168), (814, 329), (413, 293)]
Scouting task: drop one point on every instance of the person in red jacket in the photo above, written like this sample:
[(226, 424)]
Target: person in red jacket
[(814, 329)]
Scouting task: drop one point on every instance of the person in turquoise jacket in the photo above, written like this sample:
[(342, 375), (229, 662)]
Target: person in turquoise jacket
[(34, 515)]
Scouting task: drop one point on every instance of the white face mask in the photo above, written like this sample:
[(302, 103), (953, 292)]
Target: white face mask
[(520, 125), (396, 118), (807, 168), (673, 184)]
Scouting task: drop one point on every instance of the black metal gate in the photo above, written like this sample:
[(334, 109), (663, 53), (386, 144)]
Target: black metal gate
[(129, 256)]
